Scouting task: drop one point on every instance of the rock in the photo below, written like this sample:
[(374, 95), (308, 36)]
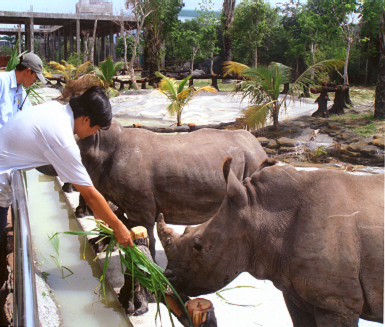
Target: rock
[(286, 142), (379, 142), (369, 150), (356, 146), (270, 152), (334, 125), (272, 144), (349, 137), (300, 124), (263, 140), (286, 149), (197, 73)]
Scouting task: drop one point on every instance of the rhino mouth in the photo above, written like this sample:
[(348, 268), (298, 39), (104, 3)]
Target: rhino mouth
[(182, 286)]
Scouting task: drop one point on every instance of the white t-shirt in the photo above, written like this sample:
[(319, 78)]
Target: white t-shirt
[(39, 136)]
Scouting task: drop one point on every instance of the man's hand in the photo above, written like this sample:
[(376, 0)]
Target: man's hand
[(101, 209), (123, 236)]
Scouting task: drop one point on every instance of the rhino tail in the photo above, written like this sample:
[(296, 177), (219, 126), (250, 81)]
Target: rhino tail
[(267, 163)]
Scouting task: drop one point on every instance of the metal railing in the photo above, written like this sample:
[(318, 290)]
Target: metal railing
[(25, 309)]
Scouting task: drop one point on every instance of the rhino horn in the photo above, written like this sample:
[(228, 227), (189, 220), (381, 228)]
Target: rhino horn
[(166, 234)]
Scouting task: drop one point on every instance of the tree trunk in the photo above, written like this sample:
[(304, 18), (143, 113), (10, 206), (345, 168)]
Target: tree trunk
[(339, 100), (379, 105), (179, 119), (346, 77), (212, 63), (152, 52), (85, 57), (256, 57), (131, 70), (275, 117), (228, 11), (92, 59)]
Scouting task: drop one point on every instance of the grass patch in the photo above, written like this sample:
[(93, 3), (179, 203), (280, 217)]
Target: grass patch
[(198, 83), (363, 124)]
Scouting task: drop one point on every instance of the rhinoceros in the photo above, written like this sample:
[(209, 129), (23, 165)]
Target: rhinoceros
[(144, 173), (317, 235)]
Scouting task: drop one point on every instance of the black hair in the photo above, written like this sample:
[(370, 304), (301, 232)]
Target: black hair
[(20, 67), (95, 104)]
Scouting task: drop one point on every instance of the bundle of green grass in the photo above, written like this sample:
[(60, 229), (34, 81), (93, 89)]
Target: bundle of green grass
[(134, 263)]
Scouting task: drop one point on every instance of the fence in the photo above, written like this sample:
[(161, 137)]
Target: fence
[(25, 310)]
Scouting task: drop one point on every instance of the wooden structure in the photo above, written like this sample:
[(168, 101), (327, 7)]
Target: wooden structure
[(341, 98), (57, 31)]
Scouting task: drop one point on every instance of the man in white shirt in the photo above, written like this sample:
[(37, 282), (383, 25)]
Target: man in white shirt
[(12, 94), (43, 135)]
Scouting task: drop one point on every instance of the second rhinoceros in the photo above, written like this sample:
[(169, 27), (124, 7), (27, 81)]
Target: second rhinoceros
[(145, 173), (318, 236)]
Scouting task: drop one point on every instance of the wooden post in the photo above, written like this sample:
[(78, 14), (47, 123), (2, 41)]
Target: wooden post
[(198, 310), (78, 37), (65, 33)]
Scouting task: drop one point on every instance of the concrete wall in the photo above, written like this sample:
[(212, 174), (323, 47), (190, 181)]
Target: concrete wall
[(100, 7)]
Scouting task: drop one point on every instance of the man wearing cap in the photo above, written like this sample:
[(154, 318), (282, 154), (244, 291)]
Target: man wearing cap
[(45, 135), (12, 94)]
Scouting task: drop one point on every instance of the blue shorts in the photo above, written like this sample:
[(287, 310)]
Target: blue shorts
[(3, 219)]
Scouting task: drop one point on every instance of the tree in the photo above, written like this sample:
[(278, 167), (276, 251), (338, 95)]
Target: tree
[(227, 22), (157, 27), (249, 27), (192, 40), (178, 95), (141, 9), (343, 15), (208, 23), (263, 85), (379, 106), (370, 36), (119, 49)]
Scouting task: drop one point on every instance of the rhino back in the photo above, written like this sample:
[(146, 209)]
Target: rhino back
[(179, 175)]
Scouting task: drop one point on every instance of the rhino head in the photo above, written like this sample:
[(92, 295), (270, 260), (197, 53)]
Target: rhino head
[(207, 257)]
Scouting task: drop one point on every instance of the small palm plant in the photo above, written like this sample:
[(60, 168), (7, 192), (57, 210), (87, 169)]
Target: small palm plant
[(178, 95), (69, 71), (263, 84), (107, 70)]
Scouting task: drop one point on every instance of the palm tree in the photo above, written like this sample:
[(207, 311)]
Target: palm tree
[(179, 96), (263, 85)]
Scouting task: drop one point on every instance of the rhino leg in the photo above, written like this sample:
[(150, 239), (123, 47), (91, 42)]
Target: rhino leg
[(135, 302), (68, 188), (82, 209), (299, 317), (326, 318)]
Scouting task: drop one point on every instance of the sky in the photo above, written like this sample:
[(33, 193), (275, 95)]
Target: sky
[(68, 6)]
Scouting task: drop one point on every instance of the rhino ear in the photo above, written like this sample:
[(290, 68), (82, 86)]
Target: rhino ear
[(235, 190)]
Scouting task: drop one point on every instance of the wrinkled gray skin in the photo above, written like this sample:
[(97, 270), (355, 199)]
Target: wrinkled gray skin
[(318, 236), (145, 173)]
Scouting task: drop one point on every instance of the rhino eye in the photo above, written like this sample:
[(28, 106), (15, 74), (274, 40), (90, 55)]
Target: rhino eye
[(197, 246)]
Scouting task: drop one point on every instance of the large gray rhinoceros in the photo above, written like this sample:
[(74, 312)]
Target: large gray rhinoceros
[(145, 173), (318, 236)]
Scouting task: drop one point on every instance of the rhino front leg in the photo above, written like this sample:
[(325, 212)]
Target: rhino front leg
[(327, 318), (299, 317)]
